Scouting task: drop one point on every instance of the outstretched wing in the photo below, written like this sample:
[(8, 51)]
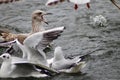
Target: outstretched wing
[(26, 66), (41, 40), (48, 37), (37, 42)]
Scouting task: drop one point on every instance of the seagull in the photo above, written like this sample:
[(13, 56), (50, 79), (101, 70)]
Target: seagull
[(14, 68), (59, 63), (54, 2), (37, 21), (76, 2), (34, 45)]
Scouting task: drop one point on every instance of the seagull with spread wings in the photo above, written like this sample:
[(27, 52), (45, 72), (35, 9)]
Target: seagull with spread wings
[(34, 45), (37, 21)]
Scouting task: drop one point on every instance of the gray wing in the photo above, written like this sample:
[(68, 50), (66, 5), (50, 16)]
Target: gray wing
[(27, 68), (41, 40), (19, 62), (48, 38), (23, 69)]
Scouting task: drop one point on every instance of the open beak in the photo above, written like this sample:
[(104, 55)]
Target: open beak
[(46, 22), (114, 2), (44, 19), (48, 13)]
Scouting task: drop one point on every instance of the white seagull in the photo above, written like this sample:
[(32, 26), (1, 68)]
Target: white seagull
[(34, 45), (12, 67), (76, 2), (58, 62), (54, 2)]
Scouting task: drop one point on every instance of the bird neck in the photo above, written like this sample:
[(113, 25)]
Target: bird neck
[(36, 26)]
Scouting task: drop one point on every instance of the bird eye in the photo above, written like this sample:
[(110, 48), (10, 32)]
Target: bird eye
[(4, 56)]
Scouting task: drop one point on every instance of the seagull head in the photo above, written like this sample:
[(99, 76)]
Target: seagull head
[(5, 57), (38, 16), (58, 53)]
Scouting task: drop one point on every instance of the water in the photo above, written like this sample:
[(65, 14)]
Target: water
[(79, 38)]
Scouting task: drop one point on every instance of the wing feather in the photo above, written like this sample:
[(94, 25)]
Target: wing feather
[(41, 40)]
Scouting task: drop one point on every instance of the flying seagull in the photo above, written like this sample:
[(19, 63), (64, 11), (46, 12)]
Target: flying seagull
[(54, 2), (76, 2)]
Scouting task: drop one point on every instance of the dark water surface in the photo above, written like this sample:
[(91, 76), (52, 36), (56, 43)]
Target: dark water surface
[(80, 36)]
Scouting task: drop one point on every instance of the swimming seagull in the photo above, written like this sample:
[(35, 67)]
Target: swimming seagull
[(13, 68), (58, 62), (37, 21), (34, 45), (76, 2)]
